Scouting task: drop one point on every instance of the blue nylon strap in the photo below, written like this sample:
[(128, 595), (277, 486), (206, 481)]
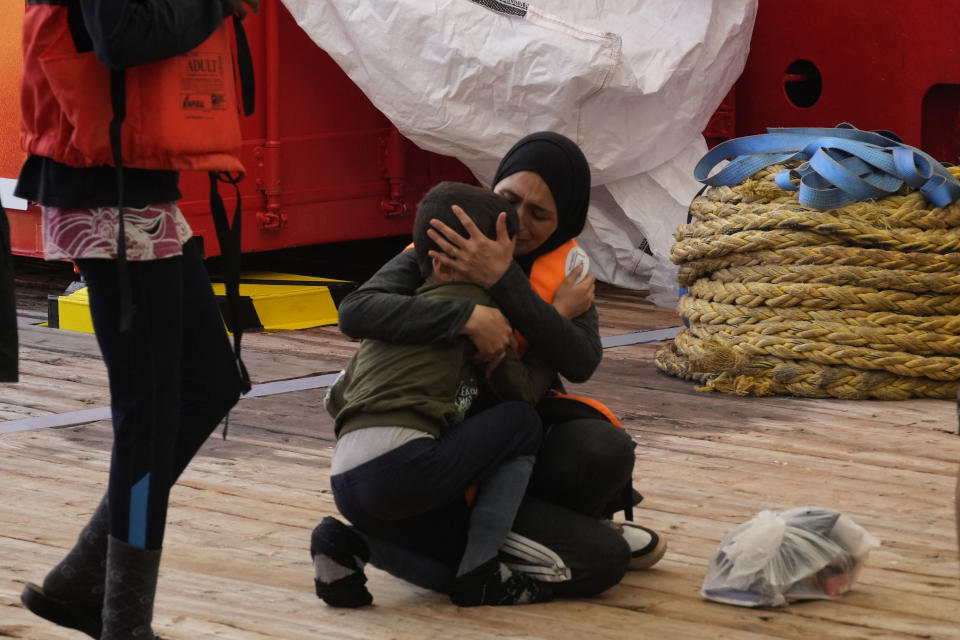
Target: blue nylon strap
[(745, 166), (848, 132), (784, 179), (846, 179), (914, 173), (941, 191), (840, 165), (139, 500), (766, 149)]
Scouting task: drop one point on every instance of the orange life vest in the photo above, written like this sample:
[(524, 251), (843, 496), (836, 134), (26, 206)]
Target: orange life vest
[(550, 270), (182, 112), (547, 274)]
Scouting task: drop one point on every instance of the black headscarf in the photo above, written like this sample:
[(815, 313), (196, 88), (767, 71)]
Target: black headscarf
[(562, 165)]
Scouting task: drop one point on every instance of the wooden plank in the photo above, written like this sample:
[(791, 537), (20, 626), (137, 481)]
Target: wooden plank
[(236, 564)]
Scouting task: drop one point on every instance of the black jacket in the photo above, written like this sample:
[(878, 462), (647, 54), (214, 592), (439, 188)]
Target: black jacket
[(384, 308)]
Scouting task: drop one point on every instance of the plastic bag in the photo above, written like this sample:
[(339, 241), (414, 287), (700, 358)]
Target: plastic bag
[(778, 557)]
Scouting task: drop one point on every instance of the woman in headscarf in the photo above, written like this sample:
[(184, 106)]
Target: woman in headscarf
[(584, 468)]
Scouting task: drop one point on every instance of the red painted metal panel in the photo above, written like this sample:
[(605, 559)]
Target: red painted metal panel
[(723, 122), (25, 235), (11, 60), (878, 65), (321, 167)]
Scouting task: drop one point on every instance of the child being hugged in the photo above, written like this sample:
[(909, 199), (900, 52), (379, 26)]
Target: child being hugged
[(407, 450)]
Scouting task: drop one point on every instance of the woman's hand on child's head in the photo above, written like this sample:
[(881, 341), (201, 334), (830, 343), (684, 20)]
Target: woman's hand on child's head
[(574, 298), (489, 331), (475, 258)]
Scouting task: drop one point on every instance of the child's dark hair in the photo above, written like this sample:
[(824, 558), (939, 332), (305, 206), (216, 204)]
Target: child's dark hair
[(482, 205)]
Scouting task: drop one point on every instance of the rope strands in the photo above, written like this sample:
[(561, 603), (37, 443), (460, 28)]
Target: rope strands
[(867, 359), (712, 246), (903, 280), (821, 222), (876, 339), (706, 312), (899, 212), (822, 296), (824, 255), (806, 380), (856, 301)]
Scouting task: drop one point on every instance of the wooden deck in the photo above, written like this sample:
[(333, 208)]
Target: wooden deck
[(236, 562)]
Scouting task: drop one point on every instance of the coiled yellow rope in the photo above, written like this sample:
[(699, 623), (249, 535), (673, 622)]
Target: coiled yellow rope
[(857, 302)]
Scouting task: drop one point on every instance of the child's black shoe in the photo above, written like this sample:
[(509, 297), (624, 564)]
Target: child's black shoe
[(494, 584), (339, 555)]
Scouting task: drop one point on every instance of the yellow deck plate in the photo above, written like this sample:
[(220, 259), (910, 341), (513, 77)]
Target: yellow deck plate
[(279, 300), (74, 312)]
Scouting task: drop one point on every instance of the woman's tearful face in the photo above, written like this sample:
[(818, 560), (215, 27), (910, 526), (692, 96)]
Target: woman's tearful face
[(536, 209)]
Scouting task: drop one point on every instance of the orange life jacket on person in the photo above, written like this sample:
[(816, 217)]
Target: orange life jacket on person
[(182, 113), (178, 114), (547, 274)]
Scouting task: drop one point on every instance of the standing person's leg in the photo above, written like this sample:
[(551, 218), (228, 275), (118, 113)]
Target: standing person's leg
[(72, 592), (210, 378), (143, 366)]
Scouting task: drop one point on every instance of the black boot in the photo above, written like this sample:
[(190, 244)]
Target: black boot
[(72, 593), (339, 554), (493, 583), (130, 587)]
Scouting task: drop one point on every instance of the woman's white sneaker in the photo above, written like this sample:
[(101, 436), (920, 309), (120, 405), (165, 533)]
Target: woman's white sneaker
[(646, 546)]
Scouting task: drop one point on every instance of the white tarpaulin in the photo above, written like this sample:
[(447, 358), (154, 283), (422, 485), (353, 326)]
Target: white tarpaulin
[(633, 82)]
